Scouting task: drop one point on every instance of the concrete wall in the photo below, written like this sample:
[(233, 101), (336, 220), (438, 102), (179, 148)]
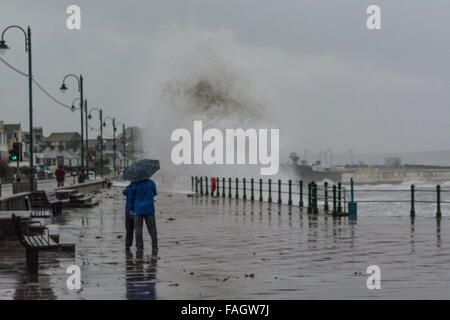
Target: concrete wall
[(14, 202), (377, 175), (87, 187)]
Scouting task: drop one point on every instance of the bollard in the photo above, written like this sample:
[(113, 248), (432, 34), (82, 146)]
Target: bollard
[(192, 182), (196, 184), (339, 208), (309, 198), (223, 187), (325, 206), (252, 197), (260, 190), (315, 206), (290, 193), (301, 194), (270, 191), (334, 200), (237, 188), (217, 187), (438, 201), (279, 191), (201, 185), (413, 211), (229, 187), (245, 192), (352, 205), (206, 186)]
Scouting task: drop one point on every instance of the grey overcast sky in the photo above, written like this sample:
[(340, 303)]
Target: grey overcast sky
[(327, 80)]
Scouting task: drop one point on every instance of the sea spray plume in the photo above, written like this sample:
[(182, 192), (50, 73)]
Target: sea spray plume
[(209, 84), (214, 91)]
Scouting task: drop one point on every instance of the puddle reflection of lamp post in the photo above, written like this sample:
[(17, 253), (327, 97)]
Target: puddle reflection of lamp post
[(63, 88), (114, 140), (100, 112), (3, 48)]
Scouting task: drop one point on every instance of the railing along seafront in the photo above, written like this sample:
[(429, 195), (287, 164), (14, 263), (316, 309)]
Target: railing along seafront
[(333, 198)]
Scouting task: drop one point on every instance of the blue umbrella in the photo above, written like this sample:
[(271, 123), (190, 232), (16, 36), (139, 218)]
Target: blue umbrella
[(141, 170)]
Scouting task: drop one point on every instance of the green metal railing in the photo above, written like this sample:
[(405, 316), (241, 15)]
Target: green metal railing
[(332, 197), (241, 188)]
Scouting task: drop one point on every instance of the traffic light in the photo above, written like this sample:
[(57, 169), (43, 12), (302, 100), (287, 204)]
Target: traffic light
[(15, 154)]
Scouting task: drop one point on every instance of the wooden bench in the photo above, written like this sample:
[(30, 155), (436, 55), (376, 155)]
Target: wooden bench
[(35, 213), (48, 199), (34, 237)]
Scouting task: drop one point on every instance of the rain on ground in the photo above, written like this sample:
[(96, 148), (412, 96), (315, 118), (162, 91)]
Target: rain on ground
[(220, 248)]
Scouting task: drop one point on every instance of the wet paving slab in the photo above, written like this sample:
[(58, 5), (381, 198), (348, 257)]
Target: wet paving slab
[(220, 248)]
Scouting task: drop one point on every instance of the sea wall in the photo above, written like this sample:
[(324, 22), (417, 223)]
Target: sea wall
[(378, 175)]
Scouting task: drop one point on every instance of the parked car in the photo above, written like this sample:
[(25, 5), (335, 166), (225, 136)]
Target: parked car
[(91, 175)]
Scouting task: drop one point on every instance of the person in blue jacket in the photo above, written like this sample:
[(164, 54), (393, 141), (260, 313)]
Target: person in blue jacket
[(129, 217), (143, 205)]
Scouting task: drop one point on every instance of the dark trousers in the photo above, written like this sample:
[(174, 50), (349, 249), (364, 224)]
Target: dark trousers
[(129, 227), (151, 227)]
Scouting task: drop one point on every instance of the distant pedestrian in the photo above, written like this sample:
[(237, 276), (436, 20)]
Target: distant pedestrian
[(142, 198), (60, 174), (129, 217)]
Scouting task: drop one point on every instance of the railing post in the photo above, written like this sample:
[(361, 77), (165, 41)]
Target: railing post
[(206, 186), (245, 192), (260, 190), (290, 193), (270, 191), (413, 211), (315, 206), (279, 191), (201, 185), (192, 183), (339, 208), (309, 198), (438, 201), (217, 187), (334, 199), (301, 194), (196, 184), (237, 188), (252, 196), (229, 187), (325, 207), (223, 187)]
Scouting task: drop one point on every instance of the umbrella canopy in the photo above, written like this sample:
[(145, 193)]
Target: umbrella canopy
[(141, 170)]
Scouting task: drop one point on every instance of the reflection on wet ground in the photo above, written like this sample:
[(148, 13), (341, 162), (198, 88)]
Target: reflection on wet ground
[(220, 248)]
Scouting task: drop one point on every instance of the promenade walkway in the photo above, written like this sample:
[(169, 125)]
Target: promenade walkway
[(220, 248)]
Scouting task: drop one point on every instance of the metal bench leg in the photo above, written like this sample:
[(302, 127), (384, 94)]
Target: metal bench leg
[(32, 261)]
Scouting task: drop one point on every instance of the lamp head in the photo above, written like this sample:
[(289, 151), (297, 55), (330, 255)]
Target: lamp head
[(63, 87), (3, 46), (72, 108), (89, 117), (104, 123)]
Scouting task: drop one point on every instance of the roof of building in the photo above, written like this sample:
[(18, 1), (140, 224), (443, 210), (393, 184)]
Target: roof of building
[(11, 128), (63, 136)]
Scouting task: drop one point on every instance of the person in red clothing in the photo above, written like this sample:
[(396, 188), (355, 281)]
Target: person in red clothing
[(60, 176), (213, 185)]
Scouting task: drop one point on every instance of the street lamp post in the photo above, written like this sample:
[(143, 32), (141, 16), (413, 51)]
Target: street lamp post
[(87, 139), (100, 112), (3, 46), (114, 141), (124, 137), (80, 89), (124, 142)]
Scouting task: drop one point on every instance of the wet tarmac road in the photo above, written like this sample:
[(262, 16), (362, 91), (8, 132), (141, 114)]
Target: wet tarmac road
[(223, 249)]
